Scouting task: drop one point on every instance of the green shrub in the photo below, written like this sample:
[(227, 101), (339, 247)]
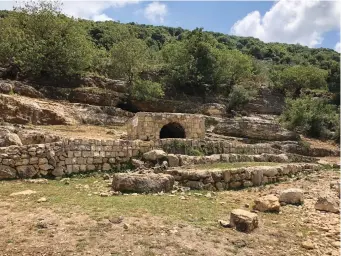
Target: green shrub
[(147, 90), (312, 117), (240, 95)]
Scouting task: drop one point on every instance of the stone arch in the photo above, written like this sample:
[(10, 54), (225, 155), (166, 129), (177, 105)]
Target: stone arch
[(172, 130)]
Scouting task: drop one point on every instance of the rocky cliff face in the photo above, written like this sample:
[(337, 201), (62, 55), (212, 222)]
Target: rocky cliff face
[(22, 110), (254, 127)]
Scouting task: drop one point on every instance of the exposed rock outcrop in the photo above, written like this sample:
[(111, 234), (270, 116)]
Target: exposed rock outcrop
[(255, 128), (266, 102), (22, 110)]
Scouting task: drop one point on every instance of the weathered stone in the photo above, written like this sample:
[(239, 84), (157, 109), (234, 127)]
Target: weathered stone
[(197, 185), (268, 203), (235, 184), (7, 139), (27, 171), (106, 167), (136, 163), (254, 127), (58, 171), (328, 204), (173, 160), (142, 183), (292, 196), (7, 172), (243, 221), (154, 155), (45, 167), (247, 184)]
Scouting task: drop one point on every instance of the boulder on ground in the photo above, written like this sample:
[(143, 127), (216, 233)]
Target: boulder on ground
[(173, 160), (243, 221), (8, 138), (154, 155), (292, 196), (268, 203), (327, 204), (335, 185), (142, 183)]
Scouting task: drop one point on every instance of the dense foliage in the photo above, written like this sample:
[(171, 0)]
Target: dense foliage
[(158, 60), (313, 117)]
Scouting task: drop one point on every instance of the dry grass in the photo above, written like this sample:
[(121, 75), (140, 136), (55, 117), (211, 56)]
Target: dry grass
[(76, 221), (85, 131)]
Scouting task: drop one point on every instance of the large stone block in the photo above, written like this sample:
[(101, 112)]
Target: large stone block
[(243, 221), (142, 183)]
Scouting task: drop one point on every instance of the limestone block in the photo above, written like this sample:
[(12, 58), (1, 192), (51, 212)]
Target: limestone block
[(243, 221)]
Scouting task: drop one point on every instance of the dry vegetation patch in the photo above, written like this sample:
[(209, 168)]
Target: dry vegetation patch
[(76, 220)]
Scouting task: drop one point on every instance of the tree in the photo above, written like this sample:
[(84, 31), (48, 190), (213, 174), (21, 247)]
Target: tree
[(294, 78), (232, 67), (128, 59), (46, 43)]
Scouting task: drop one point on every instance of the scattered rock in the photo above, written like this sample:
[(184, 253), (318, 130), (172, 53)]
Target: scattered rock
[(37, 181), (268, 203), (126, 226), (327, 204), (243, 221), (42, 199), (142, 183), (293, 196), (24, 193), (224, 223), (116, 220), (154, 155), (308, 245)]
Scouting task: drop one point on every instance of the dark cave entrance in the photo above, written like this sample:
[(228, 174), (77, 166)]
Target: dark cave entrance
[(172, 130)]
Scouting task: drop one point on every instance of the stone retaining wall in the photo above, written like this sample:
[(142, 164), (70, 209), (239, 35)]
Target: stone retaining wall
[(239, 177), (82, 155)]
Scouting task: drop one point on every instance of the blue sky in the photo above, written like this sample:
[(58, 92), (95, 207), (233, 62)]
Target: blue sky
[(312, 23)]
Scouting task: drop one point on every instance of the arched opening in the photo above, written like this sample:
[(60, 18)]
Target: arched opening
[(172, 130)]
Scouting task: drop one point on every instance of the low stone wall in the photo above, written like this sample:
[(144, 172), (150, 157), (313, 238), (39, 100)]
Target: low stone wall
[(206, 147), (83, 155), (234, 158), (239, 177)]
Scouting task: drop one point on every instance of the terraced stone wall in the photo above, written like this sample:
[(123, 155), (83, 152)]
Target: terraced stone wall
[(83, 155), (239, 177)]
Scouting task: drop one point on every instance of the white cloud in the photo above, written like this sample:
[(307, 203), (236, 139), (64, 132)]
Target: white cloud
[(101, 17), (82, 9), (337, 47), (302, 22), (155, 12)]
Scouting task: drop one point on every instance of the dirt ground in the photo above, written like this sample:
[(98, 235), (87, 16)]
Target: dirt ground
[(76, 220)]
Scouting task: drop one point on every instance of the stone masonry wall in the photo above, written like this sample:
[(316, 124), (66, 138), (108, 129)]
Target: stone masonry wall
[(147, 126), (83, 155), (239, 177)]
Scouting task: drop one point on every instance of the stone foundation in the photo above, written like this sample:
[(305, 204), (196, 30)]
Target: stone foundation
[(239, 177)]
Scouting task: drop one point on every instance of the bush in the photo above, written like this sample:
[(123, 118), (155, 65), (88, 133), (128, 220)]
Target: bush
[(147, 90), (240, 95), (312, 117)]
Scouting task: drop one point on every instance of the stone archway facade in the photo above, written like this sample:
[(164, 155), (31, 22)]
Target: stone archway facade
[(147, 126)]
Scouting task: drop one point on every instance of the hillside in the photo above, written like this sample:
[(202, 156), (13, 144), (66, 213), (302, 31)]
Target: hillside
[(43, 47)]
